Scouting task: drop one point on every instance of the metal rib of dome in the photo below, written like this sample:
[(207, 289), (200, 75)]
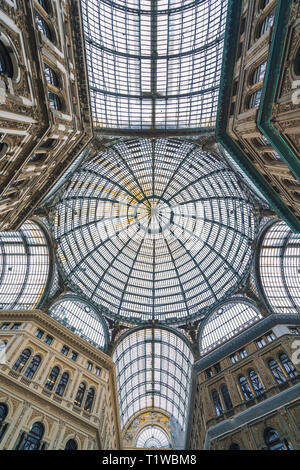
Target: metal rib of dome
[(154, 64), (152, 437), (154, 230)]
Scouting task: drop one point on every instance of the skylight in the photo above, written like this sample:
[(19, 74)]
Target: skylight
[(154, 64)]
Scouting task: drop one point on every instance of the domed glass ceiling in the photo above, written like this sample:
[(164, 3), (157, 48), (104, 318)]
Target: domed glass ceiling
[(154, 230), (154, 64)]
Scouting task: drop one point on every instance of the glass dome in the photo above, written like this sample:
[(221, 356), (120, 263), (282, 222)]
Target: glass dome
[(81, 318), (228, 320), (154, 230), (152, 437), (154, 64), (153, 368)]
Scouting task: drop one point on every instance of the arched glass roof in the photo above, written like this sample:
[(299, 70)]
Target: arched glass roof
[(228, 320), (25, 268), (153, 369), (154, 230), (153, 437), (154, 64), (81, 318), (278, 268)]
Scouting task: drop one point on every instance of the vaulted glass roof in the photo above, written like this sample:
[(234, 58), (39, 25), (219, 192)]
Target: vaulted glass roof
[(228, 320), (154, 64), (154, 230), (81, 318), (153, 369)]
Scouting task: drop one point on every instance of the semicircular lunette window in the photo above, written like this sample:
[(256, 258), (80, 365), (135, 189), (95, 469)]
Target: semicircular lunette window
[(82, 319), (154, 63), (226, 321), (153, 368), (154, 230), (279, 268), (25, 267), (153, 437)]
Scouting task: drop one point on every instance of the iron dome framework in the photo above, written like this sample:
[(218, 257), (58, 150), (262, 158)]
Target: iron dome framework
[(154, 64), (153, 437), (154, 230)]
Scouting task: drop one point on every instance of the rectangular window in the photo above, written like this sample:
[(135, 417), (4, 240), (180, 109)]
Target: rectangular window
[(65, 350), (261, 342), (234, 358), (5, 326), (217, 368), (39, 333), (270, 336), (208, 373), (243, 353), (89, 366), (97, 370), (48, 339), (74, 356), (16, 326)]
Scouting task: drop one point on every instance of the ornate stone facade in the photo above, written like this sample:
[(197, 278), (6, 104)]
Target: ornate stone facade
[(255, 40), (44, 103), (255, 404), (29, 400), (141, 421)]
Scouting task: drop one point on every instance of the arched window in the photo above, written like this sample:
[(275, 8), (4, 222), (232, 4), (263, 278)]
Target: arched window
[(245, 388), (256, 383), (255, 98), (274, 442), (267, 23), (52, 378), (217, 403), (43, 26), (234, 446), (62, 384), (226, 397), (22, 360), (32, 368), (276, 371), (54, 101), (71, 445), (288, 365), (34, 437), (259, 73), (89, 400), (6, 66), (80, 394)]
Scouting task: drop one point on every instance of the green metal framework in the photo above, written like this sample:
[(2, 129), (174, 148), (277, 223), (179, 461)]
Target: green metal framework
[(229, 58)]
